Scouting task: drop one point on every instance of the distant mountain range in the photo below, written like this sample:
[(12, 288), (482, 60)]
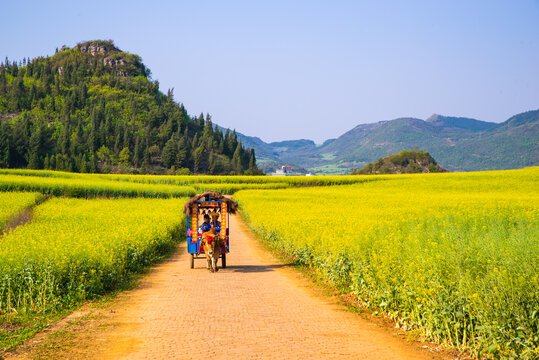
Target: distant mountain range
[(458, 144)]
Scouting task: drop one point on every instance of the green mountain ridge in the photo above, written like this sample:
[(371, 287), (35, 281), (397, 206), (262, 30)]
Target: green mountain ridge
[(460, 122), (94, 108), (458, 144)]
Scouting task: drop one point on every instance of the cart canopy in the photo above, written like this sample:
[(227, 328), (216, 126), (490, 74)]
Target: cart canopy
[(215, 196)]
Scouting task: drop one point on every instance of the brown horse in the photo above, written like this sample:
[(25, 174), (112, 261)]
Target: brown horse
[(212, 244)]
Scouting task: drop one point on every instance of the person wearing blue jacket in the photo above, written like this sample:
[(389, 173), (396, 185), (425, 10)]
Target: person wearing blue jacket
[(206, 225)]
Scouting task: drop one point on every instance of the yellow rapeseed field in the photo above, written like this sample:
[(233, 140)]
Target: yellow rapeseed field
[(455, 255), (121, 185), (75, 249), (86, 185)]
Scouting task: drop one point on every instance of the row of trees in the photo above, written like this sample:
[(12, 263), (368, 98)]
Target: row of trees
[(70, 112)]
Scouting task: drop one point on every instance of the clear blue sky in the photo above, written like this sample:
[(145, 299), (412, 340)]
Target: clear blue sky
[(308, 69)]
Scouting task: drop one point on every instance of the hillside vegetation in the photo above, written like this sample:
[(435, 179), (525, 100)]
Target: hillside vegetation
[(405, 162), (94, 108)]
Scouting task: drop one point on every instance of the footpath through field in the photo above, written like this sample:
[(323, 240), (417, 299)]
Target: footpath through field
[(254, 309)]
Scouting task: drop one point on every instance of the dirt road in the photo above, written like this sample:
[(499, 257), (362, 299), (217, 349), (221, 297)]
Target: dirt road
[(254, 309)]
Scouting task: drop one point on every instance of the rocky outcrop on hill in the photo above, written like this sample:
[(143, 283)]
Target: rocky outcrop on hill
[(110, 55), (97, 47)]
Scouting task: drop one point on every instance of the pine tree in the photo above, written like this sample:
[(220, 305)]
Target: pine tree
[(92, 136), (34, 155), (168, 156), (145, 161), (196, 143), (124, 157), (127, 137), (83, 164), (252, 162), (226, 142), (244, 155), (92, 164), (170, 128), (70, 166), (236, 160), (181, 153), (64, 140), (4, 145), (138, 153), (3, 81), (207, 134), (232, 143), (52, 162), (59, 162), (117, 143), (200, 121), (212, 166), (199, 159)]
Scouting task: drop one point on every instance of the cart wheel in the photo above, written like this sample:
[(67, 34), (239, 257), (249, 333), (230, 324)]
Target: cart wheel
[(192, 261), (223, 260)]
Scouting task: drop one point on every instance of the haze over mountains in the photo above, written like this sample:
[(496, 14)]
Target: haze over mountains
[(458, 144)]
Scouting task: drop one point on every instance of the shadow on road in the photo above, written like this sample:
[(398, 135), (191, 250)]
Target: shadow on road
[(254, 268)]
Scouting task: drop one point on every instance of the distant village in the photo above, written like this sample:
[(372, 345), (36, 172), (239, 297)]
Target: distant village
[(286, 170)]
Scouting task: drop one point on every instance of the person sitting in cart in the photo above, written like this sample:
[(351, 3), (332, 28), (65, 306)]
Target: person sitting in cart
[(215, 223), (206, 225)]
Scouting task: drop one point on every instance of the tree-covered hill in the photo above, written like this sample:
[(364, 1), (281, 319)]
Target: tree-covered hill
[(94, 108), (404, 162)]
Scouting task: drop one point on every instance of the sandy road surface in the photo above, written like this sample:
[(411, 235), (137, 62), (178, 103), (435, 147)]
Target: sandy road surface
[(254, 309)]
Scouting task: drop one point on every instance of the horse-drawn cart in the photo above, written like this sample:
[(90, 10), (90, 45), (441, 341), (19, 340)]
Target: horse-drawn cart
[(202, 236)]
